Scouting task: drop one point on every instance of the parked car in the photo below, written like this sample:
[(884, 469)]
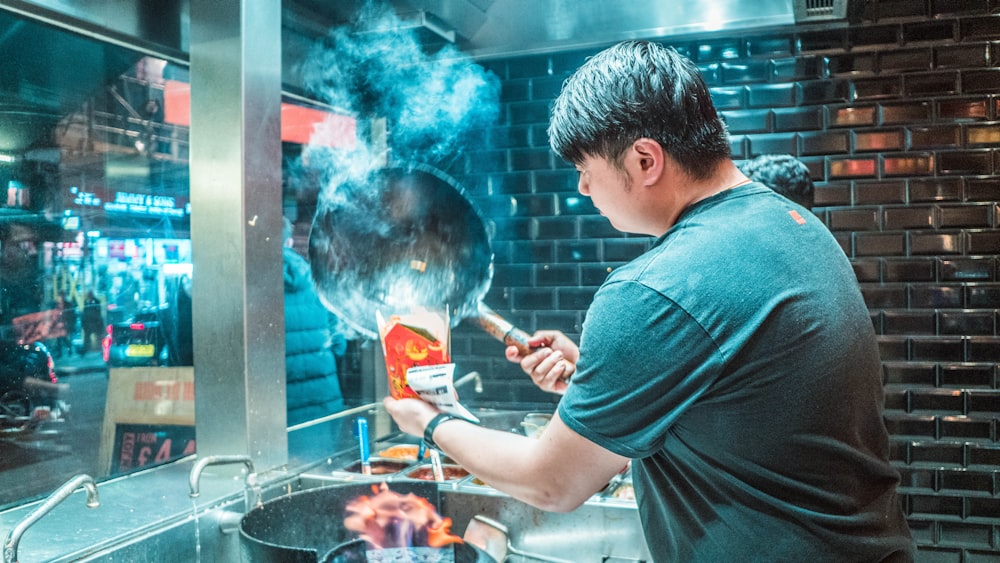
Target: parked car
[(139, 341), (29, 388)]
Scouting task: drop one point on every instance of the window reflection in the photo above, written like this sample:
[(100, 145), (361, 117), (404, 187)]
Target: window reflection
[(95, 257), (96, 354)]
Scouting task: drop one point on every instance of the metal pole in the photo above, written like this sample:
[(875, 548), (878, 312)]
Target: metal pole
[(238, 299)]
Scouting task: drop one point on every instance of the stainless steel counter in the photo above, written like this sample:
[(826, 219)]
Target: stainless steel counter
[(150, 516)]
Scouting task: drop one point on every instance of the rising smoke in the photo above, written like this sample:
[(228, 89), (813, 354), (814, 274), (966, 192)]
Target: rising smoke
[(371, 228), (376, 68)]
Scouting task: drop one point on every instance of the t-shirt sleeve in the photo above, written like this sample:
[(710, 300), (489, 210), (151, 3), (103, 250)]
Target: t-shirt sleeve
[(643, 360)]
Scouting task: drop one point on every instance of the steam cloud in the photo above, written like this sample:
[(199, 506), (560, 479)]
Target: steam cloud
[(375, 68), (366, 235)]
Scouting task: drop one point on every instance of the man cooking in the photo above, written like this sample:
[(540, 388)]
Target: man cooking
[(734, 362)]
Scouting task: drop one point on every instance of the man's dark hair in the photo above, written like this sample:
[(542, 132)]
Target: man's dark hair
[(639, 89), (784, 174)]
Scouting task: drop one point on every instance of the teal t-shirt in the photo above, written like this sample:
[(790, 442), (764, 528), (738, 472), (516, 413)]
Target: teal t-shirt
[(736, 363)]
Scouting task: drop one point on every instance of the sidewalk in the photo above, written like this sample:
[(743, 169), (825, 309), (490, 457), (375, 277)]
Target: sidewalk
[(74, 364)]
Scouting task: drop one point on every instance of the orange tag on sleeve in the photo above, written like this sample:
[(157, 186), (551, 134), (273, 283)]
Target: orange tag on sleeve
[(798, 218)]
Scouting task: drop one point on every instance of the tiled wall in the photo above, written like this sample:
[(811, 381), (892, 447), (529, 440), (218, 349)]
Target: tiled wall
[(898, 119)]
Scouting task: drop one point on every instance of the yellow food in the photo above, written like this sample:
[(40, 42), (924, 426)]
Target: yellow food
[(401, 451), (625, 492)]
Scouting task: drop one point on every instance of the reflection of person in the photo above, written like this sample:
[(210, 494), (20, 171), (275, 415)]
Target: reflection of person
[(68, 315), (92, 322), (784, 174), (185, 338), (741, 380), (311, 346)]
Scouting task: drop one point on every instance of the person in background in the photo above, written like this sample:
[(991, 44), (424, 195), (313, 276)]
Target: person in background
[(92, 323), (68, 315), (185, 323), (312, 343), (734, 363), (784, 174)]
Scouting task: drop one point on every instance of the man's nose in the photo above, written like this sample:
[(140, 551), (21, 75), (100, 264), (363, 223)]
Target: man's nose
[(583, 187)]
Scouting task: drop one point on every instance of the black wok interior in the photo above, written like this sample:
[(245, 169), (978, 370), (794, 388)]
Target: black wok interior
[(303, 526), (401, 238)]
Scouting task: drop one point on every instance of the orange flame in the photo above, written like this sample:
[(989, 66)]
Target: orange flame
[(389, 519)]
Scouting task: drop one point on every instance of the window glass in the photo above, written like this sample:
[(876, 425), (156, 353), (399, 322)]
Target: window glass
[(96, 350), (95, 259)]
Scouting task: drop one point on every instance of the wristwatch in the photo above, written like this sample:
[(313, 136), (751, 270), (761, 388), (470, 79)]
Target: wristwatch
[(433, 424)]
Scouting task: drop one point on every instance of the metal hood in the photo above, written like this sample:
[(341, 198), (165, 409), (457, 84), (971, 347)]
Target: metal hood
[(481, 29), (511, 27), (492, 28)]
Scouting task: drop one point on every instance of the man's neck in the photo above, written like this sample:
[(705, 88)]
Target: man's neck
[(726, 177), (681, 191)]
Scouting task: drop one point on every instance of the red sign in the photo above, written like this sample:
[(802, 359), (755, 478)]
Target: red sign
[(139, 445), (38, 327), (299, 124)]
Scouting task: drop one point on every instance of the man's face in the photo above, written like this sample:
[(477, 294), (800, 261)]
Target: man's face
[(610, 189)]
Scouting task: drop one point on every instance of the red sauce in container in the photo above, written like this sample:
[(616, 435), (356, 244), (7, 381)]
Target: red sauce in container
[(426, 473)]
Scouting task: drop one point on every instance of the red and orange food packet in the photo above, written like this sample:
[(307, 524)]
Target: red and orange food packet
[(416, 339)]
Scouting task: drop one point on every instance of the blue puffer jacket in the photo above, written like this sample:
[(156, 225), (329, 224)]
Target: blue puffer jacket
[(311, 343)]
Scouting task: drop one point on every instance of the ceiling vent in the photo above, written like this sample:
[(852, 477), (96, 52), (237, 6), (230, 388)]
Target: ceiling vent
[(819, 10)]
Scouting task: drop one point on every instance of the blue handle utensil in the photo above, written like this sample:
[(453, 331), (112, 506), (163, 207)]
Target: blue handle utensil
[(361, 429)]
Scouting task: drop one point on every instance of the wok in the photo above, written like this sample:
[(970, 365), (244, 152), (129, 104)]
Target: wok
[(303, 526), (403, 238)]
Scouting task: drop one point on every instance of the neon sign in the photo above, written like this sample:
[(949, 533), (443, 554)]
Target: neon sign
[(145, 204)]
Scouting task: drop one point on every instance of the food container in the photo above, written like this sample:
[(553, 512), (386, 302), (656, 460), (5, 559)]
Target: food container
[(451, 472), (621, 491), (534, 423), (476, 482), (620, 488), (379, 466), (402, 452)]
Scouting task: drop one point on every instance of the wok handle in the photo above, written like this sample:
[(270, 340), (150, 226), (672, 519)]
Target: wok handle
[(501, 329)]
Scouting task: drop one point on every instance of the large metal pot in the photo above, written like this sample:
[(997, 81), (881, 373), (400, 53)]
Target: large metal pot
[(308, 526)]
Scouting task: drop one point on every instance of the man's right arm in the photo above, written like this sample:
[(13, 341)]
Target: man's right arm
[(552, 361)]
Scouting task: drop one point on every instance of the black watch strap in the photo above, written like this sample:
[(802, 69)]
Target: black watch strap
[(432, 426)]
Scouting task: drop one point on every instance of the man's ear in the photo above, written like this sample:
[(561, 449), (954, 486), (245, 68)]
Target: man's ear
[(649, 160)]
